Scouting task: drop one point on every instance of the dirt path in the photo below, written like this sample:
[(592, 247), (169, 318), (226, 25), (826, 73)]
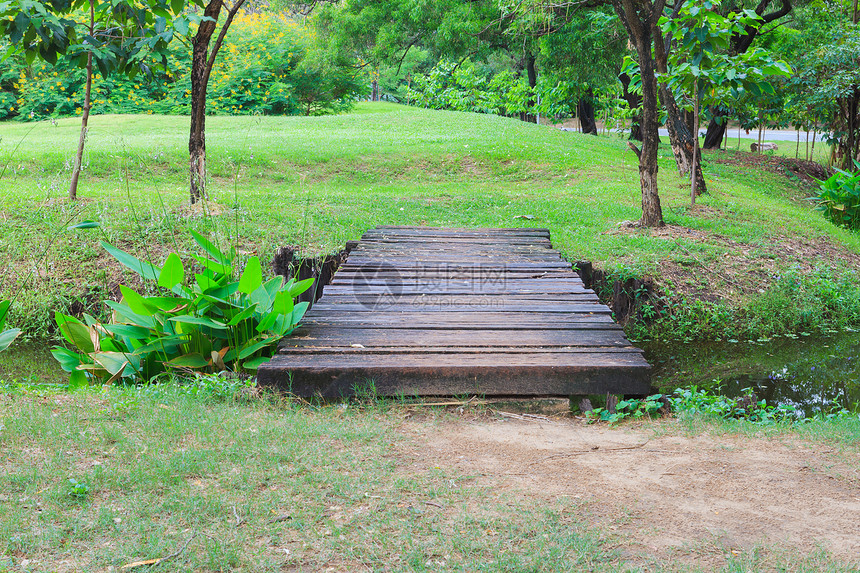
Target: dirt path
[(666, 499)]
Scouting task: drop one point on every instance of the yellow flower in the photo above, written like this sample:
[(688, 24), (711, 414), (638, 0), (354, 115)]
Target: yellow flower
[(78, 110)]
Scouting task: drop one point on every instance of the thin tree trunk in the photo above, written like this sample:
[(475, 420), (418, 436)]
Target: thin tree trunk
[(640, 18), (760, 127), (806, 151), (199, 85), (797, 149), (85, 113), (814, 137), (695, 149), (202, 62)]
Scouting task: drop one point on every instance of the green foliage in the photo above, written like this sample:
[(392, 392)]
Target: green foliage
[(268, 65), (687, 400), (839, 198), (747, 408), (77, 489), (204, 324), (461, 88), (626, 409), (120, 36), (7, 337)]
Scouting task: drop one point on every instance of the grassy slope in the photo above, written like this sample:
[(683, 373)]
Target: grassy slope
[(318, 182)]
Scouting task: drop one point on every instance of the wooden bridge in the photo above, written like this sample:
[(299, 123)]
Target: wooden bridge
[(433, 311)]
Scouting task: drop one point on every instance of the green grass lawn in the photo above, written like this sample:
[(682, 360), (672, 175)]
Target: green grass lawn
[(319, 182)]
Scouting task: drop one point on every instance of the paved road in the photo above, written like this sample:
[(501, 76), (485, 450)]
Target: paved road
[(767, 135)]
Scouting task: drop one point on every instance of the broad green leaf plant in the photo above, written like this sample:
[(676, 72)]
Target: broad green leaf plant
[(8, 336), (208, 322)]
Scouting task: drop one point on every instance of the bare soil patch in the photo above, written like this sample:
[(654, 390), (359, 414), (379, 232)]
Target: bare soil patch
[(809, 172), (669, 499)]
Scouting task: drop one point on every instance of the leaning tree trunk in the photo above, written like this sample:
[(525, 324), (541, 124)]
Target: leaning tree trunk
[(85, 113)]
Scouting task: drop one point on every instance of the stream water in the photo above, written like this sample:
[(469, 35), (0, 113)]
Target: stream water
[(812, 373)]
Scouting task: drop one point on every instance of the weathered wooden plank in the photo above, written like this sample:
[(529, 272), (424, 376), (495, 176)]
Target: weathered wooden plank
[(456, 337), (395, 306), (403, 351), (451, 374)]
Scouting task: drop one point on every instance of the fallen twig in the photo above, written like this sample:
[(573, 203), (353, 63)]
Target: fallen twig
[(526, 417), (173, 555), (435, 504)]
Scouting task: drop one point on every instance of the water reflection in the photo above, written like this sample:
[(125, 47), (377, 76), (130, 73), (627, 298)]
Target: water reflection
[(813, 374)]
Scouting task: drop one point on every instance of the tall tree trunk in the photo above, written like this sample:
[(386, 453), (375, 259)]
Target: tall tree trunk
[(85, 113), (531, 73), (585, 112), (199, 85), (640, 19)]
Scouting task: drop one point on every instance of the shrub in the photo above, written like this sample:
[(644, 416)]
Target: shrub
[(202, 325), (268, 65), (839, 199)]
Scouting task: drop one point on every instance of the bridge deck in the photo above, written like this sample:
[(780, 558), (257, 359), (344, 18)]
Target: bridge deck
[(432, 311)]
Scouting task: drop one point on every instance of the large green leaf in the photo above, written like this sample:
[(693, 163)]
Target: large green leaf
[(298, 288), (172, 272), (78, 380), (252, 276), (75, 332), (165, 344), (210, 248), (214, 266), (145, 269), (69, 361), (299, 312), (113, 362), (251, 347), (136, 302), (283, 303), (255, 363), (128, 331), (240, 316), (124, 312), (200, 321), (4, 310), (7, 337), (194, 360)]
